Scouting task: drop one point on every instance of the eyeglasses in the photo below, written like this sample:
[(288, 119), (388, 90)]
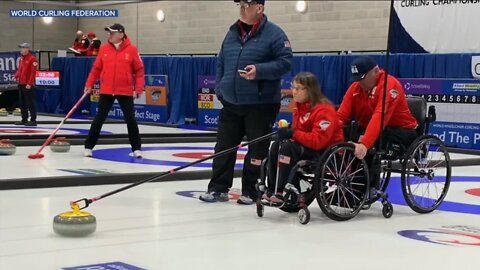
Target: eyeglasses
[(298, 88), (246, 5)]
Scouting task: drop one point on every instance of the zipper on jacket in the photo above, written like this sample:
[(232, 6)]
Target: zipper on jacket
[(236, 74), (114, 72)]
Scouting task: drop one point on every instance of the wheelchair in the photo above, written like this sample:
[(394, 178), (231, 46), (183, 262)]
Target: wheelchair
[(344, 185)]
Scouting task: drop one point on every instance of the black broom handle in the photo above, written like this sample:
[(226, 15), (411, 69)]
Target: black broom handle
[(172, 171)]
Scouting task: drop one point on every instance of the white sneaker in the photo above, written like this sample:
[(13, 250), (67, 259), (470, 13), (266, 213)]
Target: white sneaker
[(137, 154), (88, 153)]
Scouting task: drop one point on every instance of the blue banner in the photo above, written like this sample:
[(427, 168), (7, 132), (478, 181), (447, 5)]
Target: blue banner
[(460, 135), (152, 106), (8, 66), (209, 106), (456, 102)]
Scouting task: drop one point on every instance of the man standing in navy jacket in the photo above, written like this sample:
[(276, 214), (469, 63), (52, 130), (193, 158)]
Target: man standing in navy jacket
[(254, 56)]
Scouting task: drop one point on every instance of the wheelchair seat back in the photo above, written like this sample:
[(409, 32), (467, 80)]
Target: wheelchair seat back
[(418, 108)]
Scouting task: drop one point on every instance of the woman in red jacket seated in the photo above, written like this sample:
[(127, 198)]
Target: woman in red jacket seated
[(315, 128)]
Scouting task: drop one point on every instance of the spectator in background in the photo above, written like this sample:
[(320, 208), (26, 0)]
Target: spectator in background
[(80, 45), (94, 44), (25, 76)]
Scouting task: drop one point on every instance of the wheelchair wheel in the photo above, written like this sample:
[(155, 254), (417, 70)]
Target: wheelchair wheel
[(426, 174), (341, 182), (309, 197), (304, 216)]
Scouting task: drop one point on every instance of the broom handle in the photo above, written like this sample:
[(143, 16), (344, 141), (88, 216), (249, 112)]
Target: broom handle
[(62, 122), (172, 171)]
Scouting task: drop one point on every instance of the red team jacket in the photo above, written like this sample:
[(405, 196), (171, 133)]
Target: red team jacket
[(367, 108), (27, 70), (119, 70), (316, 128)]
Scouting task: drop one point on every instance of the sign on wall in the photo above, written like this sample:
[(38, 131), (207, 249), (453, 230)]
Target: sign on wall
[(152, 106)]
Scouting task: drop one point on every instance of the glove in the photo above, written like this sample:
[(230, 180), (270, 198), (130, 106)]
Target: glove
[(284, 133)]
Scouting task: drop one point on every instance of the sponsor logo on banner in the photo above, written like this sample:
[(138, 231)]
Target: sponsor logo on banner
[(476, 67), (421, 21), (9, 61), (457, 235)]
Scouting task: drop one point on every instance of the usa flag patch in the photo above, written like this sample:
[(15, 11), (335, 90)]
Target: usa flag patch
[(284, 159)]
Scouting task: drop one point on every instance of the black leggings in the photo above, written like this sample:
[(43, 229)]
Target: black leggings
[(289, 154)]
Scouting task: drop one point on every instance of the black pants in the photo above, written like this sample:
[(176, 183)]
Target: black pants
[(403, 136), (104, 105), (235, 122), (290, 153), (392, 138), (26, 99)]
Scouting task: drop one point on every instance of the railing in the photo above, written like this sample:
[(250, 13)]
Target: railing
[(45, 57)]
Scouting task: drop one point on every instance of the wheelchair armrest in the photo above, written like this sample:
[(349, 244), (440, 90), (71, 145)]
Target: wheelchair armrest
[(432, 114)]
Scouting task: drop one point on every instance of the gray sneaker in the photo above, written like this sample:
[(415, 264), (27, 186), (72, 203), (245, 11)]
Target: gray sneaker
[(214, 197), (245, 200)]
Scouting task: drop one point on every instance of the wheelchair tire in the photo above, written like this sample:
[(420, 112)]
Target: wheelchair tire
[(416, 165), (341, 182), (309, 197)]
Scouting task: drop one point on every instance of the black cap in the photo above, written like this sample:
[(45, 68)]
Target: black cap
[(115, 28), (261, 2), (25, 45), (361, 66)]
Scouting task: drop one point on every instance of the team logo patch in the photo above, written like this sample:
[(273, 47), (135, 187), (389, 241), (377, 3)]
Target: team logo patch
[(305, 117), (394, 93), (324, 124), (354, 70)]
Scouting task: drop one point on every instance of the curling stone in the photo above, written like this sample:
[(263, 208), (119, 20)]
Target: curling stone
[(17, 112), (7, 148), (3, 112), (74, 223), (60, 145)]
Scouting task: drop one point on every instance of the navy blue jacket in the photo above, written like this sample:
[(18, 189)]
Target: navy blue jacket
[(268, 49)]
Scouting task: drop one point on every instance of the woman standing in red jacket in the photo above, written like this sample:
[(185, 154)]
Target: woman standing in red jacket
[(315, 127), (121, 73)]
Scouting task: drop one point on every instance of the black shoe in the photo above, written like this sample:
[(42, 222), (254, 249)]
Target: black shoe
[(20, 123), (31, 124)]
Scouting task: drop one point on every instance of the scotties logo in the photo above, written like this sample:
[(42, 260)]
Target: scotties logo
[(446, 235)]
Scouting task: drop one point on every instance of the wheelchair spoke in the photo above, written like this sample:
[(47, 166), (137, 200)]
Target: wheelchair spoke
[(346, 189), (333, 174), (348, 167), (353, 173), (335, 162)]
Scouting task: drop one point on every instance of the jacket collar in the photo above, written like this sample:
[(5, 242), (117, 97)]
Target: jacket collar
[(125, 43), (236, 26)]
